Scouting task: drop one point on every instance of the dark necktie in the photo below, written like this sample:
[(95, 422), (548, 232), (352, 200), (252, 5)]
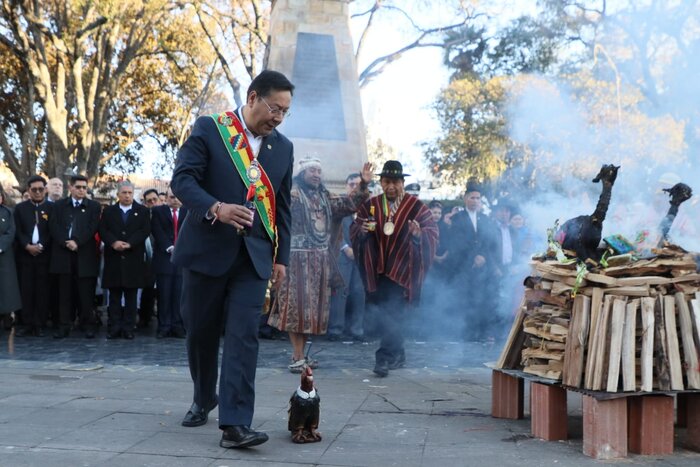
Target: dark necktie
[(76, 204), (174, 225), (125, 215)]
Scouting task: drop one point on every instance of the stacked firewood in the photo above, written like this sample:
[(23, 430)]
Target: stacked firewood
[(633, 326)]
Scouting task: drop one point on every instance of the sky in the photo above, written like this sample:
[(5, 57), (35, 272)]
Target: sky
[(400, 100)]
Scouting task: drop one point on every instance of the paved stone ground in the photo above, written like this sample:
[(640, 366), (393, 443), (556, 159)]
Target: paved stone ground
[(80, 402)]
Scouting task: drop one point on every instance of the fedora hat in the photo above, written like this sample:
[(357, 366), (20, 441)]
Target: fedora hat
[(393, 169)]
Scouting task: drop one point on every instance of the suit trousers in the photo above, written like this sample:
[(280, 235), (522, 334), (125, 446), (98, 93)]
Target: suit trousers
[(169, 292), (388, 305), (121, 318), (76, 292), (34, 287), (348, 303), (208, 303)]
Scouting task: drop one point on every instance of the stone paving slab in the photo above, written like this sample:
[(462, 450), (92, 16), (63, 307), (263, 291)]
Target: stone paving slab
[(124, 409)]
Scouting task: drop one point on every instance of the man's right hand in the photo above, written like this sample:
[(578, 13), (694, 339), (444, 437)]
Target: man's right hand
[(349, 253), (34, 250), (236, 215)]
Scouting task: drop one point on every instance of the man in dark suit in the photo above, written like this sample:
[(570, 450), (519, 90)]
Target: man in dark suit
[(166, 221), (228, 251), (148, 293), (474, 260), (348, 302), (74, 256), (124, 228), (33, 249)]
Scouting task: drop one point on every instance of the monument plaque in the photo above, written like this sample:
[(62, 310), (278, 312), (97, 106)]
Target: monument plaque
[(310, 42), (318, 103)]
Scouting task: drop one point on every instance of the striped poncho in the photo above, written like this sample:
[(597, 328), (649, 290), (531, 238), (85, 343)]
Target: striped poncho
[(398, 256)]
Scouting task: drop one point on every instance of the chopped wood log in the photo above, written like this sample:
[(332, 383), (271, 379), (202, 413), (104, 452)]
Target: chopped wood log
[(543, 371), (559, 288), (596, 309), (661, 364), (543, 296), (564, 280), (601, 344), (674, 353), (643, 280), (690, 352), (510, 356), (695, 316), (638, 291), (629, 379), (617, 324), (647, 353), (601, 279), (542, 353), (576, 342)]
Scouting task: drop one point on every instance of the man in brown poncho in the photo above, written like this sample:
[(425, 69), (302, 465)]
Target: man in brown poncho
[(395, 238), (302, 302)]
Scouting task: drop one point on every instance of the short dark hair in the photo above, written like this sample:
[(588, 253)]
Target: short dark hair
[(435, 204), (34, 179), (149, 191), (162, 193), (351, 176), (78, 178), (270, 80)]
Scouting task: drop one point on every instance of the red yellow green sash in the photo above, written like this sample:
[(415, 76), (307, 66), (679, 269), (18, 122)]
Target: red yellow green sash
[(236, 142)]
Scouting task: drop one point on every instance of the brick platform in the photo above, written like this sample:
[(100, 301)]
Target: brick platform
[(507, 396), (548, 412), (650, 425)]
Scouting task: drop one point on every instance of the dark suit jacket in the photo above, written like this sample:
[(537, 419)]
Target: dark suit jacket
[(164, 237), (464, 244), (125, 268), (85, 221), (204, 174), (26, 214)]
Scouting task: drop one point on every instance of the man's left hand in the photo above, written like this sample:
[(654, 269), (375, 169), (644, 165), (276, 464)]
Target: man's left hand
[(367, 172), (279, 272)]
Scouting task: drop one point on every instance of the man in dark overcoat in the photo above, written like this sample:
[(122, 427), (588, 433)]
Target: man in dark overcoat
[(33, 252), (124, 228), (75, 257), (474, 264)]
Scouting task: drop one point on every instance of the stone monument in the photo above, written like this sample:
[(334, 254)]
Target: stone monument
[(310, 42)]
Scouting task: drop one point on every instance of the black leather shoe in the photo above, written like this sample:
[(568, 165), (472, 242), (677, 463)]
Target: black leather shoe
[(161, 334), (178, 333), (128, 335), (21, 331), (114, 335), (39, 331), (399, 362), (197, 416), (240, 436), (381, 369)]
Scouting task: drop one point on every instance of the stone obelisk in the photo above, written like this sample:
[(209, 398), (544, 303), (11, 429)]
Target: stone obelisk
[(310, 42)]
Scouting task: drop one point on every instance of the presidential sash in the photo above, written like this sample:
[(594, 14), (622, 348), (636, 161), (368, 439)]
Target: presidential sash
[(260, 189)]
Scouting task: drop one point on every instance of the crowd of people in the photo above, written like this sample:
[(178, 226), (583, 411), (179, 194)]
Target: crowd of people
[(347, 266), (63, 259)]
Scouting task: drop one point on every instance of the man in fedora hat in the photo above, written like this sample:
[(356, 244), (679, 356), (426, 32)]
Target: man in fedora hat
[(474, 261), (394, 238)]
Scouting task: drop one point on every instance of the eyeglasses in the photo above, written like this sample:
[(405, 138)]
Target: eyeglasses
[(80, 187), (37, 189), (276, 112)]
